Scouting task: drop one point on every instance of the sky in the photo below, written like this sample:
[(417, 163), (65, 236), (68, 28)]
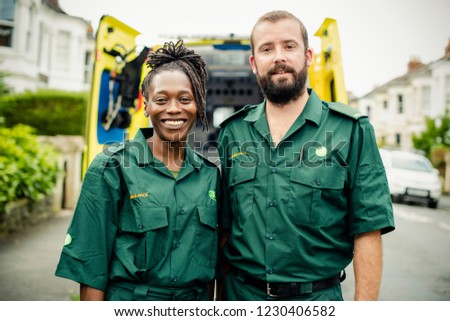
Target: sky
[(378, 37)]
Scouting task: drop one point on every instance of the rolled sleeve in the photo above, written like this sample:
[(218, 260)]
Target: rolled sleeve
[(370, 201), (89, 241)]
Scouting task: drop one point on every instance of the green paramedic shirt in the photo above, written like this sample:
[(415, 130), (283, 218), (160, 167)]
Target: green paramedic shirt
[(135, 222), (293, 210)]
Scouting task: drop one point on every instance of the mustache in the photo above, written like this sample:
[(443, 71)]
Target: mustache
[(281, 68)]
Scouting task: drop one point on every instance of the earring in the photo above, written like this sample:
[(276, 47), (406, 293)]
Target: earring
[(146, 113)]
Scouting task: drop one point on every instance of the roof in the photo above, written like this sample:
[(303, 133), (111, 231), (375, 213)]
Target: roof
[(407, 76), (54, 4)]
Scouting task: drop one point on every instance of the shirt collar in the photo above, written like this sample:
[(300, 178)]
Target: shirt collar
[(313, 108), (140, 149), (255, 113)]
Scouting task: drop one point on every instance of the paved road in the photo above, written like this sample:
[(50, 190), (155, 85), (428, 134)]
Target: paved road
[(28, 261)]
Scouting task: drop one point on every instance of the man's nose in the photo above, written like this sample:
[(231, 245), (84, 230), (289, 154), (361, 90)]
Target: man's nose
[(279, 55)]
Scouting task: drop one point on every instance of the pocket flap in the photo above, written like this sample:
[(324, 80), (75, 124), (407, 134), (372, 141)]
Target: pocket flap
[(208, 215), (240, 174), (331, 177), (144, 218)]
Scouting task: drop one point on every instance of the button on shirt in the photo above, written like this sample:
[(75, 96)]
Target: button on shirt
[(135, 222), (293, 210)]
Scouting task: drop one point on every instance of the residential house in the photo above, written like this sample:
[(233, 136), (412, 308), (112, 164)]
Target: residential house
[(398, 108), (42, 47)]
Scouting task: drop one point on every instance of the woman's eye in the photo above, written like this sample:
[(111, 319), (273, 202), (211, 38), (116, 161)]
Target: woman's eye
[(185, 100)]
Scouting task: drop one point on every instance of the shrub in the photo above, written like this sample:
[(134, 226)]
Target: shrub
[(28, 169), (49, 112)]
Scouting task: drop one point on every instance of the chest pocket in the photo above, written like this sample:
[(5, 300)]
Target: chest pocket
[(206, 239), (144, 233), (240, 185), (316, 195)]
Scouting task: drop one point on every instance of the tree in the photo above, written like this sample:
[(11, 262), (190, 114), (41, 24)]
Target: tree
[(435, 139)]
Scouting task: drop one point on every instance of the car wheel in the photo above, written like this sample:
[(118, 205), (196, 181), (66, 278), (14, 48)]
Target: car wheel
[(396, 199), (432, 204)]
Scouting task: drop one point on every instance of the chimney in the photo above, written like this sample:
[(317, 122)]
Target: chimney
[(447, 49), (54, 4), (414, 64)]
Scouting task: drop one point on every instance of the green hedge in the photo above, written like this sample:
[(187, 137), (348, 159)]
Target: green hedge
[(49, 112), (28, 169)]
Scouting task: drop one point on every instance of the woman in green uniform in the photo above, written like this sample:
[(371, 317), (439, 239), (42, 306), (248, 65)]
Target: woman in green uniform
[(145, 226)]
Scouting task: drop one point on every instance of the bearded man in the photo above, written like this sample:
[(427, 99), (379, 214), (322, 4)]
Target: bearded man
[(304, 190)]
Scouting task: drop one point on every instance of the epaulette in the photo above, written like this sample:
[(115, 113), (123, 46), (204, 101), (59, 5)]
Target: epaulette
[(110, 150), (205, 159), (237, 113), (115, 147), (346, 110)]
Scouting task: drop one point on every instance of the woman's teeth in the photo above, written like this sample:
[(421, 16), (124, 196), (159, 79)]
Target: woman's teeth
[(174, 122)]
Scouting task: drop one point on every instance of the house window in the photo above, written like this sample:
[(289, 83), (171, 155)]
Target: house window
[(426, 100), (62, 61), (87, 67), (6, 22), (32, 17), (368, 111), (385, 105), (447, 92), (398, 139), (400, 104), (40, 43)]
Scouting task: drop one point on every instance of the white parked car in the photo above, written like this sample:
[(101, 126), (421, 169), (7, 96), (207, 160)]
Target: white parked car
[(411, 177)]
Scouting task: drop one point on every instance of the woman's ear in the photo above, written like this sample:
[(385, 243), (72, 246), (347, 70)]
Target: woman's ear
[(146, 114)]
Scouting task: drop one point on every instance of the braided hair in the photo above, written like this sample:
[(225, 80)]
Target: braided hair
[(172, 57)]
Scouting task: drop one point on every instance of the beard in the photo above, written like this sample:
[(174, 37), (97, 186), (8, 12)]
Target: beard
[(282, 91)]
